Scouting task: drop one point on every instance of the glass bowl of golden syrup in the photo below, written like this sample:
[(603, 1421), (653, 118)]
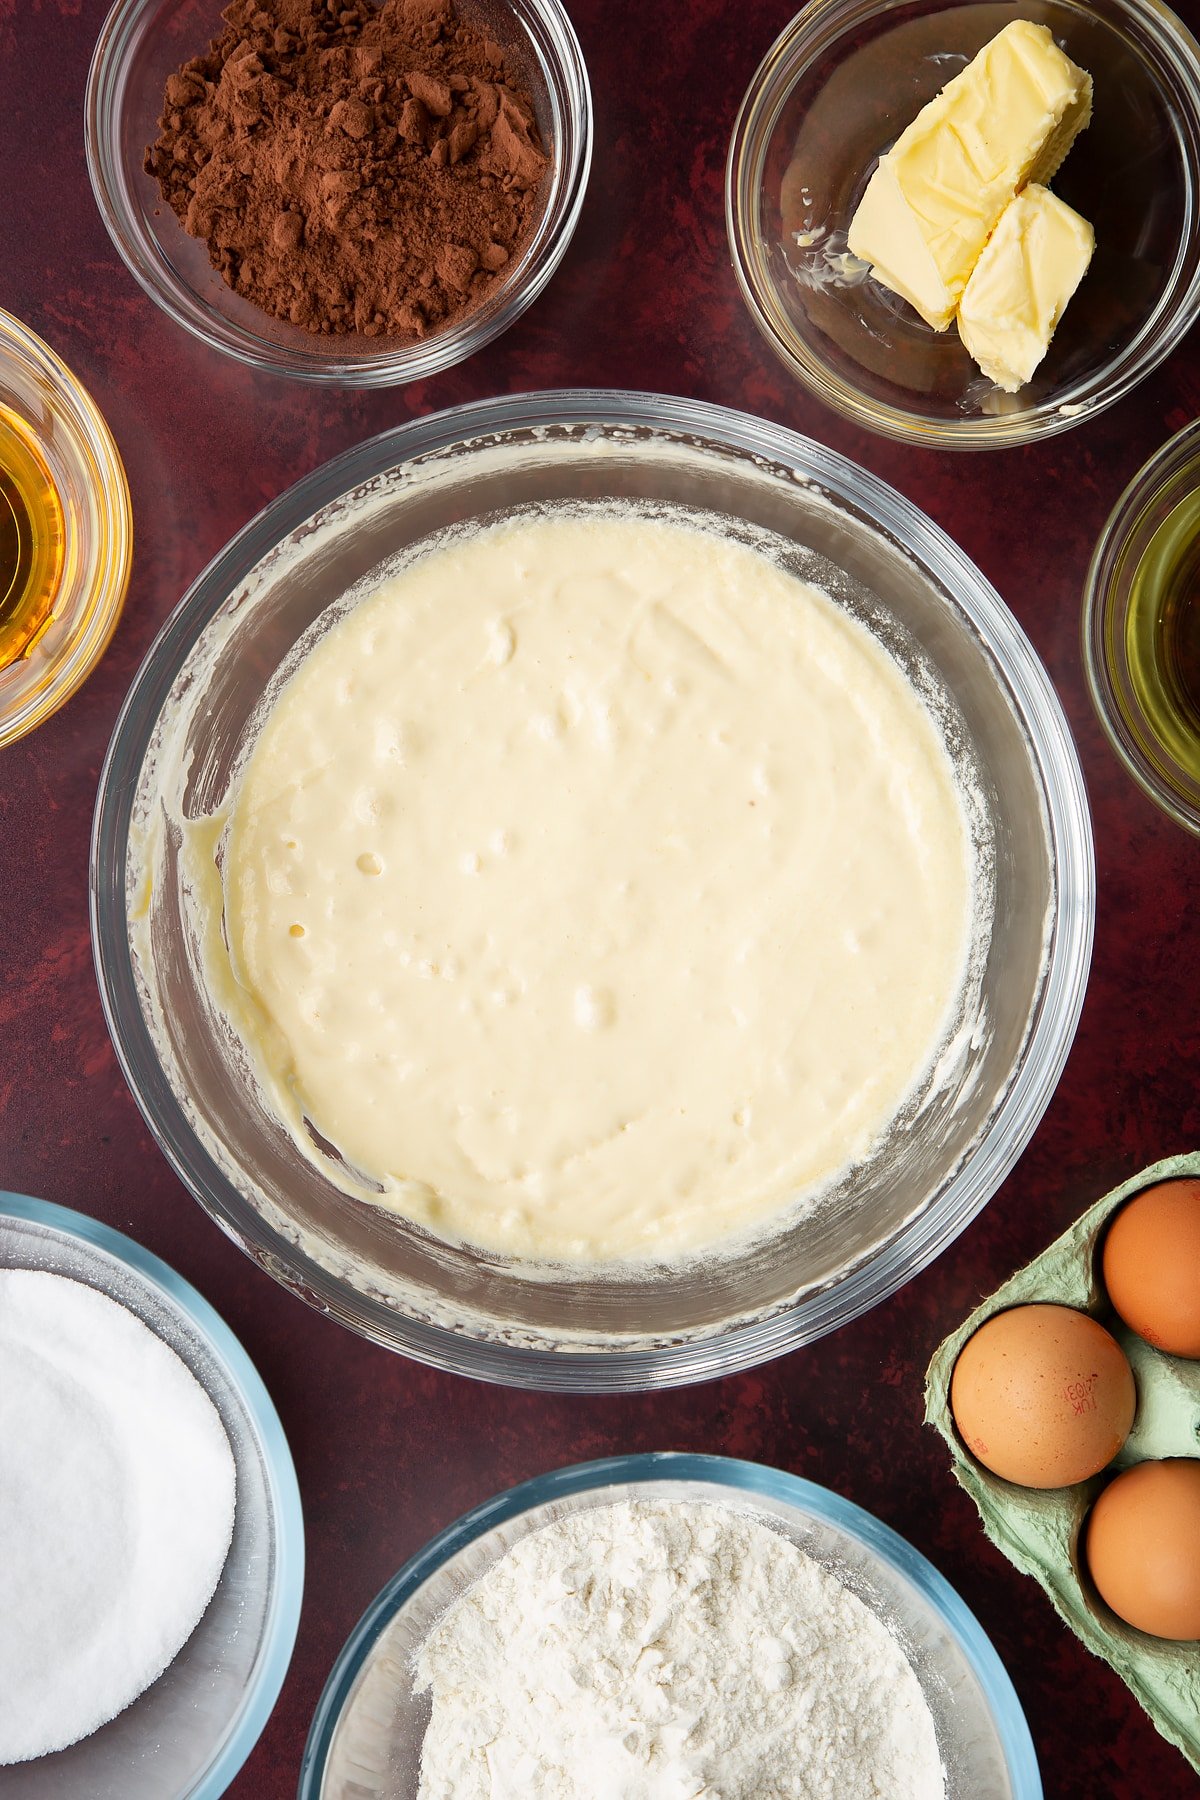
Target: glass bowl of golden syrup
[(66, 532), (1141, 627)]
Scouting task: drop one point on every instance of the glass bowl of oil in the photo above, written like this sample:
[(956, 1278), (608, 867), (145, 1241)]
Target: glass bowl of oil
[(1141, 627), (66, 533)]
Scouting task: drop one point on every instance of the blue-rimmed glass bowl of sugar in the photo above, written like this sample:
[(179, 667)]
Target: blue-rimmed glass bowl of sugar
[(188, 1734)]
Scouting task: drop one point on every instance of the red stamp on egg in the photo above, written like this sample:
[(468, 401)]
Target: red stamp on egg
[(1081, 1394)]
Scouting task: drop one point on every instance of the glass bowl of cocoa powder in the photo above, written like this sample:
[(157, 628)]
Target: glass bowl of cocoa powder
[(361, 196)]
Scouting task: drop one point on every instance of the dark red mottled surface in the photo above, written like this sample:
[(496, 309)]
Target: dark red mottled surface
[(387, 1453)]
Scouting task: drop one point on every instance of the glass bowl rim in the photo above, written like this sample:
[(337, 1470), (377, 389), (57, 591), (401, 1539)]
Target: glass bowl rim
[(743, 1477), (418, 361), (91, 443), (1051, 1032), (1156, 474), (262, 1692), (820, 25)]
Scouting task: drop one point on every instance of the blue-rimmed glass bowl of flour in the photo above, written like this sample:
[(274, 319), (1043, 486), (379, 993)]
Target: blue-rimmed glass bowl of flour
[(709, 1604), (186, 1735)]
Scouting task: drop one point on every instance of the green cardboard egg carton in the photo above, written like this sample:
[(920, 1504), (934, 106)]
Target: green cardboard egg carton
[(1039, 1530)]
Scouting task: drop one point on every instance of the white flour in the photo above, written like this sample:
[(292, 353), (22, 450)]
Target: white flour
[(653, 1650), (116, 1509)]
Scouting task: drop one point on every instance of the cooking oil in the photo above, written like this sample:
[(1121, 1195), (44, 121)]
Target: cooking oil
[(1162, 634), (31, 540)]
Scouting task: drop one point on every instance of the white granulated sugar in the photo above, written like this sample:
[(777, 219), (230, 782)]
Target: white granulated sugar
[(116, 1509), (659, 1650)]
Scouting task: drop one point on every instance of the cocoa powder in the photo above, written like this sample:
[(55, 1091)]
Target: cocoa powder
[(352, 168)]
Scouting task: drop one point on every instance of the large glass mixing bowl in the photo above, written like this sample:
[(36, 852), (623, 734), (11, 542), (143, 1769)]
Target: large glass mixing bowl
[(196, 703)]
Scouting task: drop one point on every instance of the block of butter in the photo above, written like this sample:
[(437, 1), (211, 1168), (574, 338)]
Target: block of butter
[(1006, 119), (1030, 267)]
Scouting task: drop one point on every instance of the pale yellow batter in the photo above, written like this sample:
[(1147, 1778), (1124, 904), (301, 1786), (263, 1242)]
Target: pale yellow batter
[(606, 887)]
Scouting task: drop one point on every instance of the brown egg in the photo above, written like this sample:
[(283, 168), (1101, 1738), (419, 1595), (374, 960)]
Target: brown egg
[(1143, 1547), (1152, 1265), (1042, 1395)]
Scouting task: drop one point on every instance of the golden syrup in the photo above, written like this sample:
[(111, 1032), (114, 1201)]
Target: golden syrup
[(31, 540), (1162, 635)]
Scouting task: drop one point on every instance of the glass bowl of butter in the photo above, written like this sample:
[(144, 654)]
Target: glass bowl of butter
[(514, 941), (963, 228)]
